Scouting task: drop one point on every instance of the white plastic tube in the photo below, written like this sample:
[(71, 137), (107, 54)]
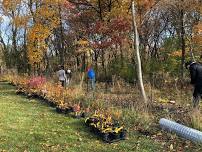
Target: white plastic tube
[(181, 130)]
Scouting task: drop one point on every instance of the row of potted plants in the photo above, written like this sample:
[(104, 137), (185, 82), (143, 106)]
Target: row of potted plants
[(68, 101)]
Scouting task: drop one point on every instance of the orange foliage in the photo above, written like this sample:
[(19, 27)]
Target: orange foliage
[(198, 34), (10, 4), (46, 19), (177, 53)]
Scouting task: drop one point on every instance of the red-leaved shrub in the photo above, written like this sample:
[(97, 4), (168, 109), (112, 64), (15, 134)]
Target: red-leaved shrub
[(35, 82)]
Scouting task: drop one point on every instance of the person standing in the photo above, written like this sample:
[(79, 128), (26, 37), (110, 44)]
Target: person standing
[(91, 77), (62, 76), (69, 76), (195, 70)]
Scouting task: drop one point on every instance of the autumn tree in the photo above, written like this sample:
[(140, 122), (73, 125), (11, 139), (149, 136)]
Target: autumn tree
[(182, 16), (12, 11), (43, 21)]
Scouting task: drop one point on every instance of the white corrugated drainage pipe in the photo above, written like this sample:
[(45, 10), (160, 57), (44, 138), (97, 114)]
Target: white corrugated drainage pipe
[(181, 130)]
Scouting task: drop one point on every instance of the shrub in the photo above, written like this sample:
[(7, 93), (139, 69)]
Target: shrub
[(124, 69), (35, 82)]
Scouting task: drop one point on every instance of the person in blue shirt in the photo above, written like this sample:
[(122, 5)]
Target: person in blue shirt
[(91, 77)]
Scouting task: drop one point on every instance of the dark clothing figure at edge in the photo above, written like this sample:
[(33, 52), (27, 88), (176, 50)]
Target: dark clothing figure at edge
[(195, 70)]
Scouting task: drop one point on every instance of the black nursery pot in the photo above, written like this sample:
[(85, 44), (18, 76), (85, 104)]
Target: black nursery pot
[(58, 110), (29, 96), (107, 137), (115, 136), (52, 104), (123, 134), (83, 115), (33, 95), (96, 130), (88, 122), (79, 116), (40, 97), (63, 110), (19, 92), (69, 109), (45, 100), (76, 116), (11, 83)]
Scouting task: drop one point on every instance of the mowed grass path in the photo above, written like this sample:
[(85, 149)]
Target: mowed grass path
[(29, 125)]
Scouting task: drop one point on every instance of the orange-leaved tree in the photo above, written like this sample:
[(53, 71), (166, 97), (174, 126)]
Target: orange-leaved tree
[(44, 18)]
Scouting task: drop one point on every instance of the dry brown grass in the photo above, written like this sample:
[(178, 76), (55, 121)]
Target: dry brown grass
[(196, 119)]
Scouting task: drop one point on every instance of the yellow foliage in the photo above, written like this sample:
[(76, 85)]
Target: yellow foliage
[(10, 4), (20, 21), (198, 34), (177, 53), (46, 19), (120, 9), (82, 42)]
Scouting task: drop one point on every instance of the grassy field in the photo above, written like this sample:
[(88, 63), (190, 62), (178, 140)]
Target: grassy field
[(29, 125)]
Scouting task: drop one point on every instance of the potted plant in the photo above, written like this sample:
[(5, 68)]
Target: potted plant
[(106, 127)]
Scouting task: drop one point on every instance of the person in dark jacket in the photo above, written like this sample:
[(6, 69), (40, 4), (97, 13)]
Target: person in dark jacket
[(195, 70)]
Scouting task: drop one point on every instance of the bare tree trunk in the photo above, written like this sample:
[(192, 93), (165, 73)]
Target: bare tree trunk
[(83, 69), (192, 54), (182, 34), (100, 10), (26, 60), (136, 43), (82, 79), (191, 49), (61, 38)]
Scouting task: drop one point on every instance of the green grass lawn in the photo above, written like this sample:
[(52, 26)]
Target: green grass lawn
[(29, 125)]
